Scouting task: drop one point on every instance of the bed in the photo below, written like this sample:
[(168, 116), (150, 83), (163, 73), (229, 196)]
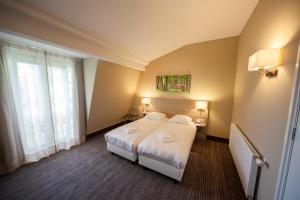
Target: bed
[(168, 158), (124, 144)]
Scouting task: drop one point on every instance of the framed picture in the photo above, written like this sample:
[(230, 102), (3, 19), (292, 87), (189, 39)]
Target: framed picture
[(173, 83)]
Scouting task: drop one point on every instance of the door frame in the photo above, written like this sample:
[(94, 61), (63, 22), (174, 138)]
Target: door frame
[(293, 116)]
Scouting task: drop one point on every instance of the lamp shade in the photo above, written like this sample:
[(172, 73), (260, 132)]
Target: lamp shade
[(146, 101), (201, 105), (264, 59)]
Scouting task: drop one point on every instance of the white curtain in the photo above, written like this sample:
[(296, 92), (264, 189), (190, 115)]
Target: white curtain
[(11, 151), (47, 95)]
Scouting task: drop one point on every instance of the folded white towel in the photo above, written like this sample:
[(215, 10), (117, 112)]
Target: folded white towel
[(129, 129), (165, 137)]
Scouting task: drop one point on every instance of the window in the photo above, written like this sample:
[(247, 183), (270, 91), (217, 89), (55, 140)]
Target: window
[(45, 94)]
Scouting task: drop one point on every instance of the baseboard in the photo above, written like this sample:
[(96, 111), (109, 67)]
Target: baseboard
[(104, 130), (218, 139)]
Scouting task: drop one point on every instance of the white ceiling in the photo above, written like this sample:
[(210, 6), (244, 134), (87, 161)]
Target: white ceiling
[(149, 29)]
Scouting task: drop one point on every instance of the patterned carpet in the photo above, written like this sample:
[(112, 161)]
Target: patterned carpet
[(88, 171)]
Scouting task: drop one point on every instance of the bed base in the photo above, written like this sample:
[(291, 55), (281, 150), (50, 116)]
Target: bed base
[(150, 163), (121, 152), (161, 167)]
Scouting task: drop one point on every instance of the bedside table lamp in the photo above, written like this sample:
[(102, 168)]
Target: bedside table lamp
[(146, 103), (201, 106)]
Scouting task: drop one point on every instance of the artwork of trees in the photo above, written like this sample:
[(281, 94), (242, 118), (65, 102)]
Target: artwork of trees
[(173, 83)]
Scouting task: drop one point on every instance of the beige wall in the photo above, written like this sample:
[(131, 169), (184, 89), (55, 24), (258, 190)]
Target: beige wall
[(261, 104), (114, 88), (212, 66)]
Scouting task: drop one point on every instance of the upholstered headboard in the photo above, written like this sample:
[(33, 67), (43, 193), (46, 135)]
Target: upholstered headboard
[(173, 107)]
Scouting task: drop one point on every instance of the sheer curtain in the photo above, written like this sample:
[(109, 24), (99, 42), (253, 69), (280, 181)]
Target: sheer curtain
[(64, 100), (47, 98), (11, 151)]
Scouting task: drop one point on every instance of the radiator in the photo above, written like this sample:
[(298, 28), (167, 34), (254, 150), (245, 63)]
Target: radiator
[(246, 159)]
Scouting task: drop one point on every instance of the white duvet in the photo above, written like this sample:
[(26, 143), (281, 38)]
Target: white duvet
[(120, 138), (172, 153)]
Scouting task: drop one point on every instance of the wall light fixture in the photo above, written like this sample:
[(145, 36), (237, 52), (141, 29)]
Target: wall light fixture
[(265, 61)]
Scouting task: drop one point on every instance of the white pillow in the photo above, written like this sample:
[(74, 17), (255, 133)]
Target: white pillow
[(155, 116), (180, 119)]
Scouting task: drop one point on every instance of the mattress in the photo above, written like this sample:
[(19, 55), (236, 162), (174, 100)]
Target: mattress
[(172, 153), (129, 142)]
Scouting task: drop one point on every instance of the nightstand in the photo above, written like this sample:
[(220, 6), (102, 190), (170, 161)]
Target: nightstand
[(132, 115), (201, 132)]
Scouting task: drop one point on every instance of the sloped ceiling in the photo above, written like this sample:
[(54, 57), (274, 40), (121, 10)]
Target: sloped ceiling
[(151, 28)]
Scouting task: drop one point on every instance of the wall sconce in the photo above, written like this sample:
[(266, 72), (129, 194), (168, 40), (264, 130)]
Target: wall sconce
[(146, 103), (202, 106), (265, 61)]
